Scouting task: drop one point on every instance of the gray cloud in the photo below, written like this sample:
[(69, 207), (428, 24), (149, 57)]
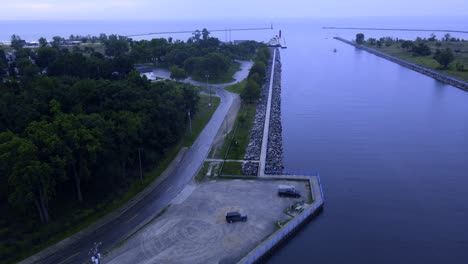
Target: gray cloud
[(213, 9)]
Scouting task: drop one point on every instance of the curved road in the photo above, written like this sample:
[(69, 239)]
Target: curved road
[(145, 210)]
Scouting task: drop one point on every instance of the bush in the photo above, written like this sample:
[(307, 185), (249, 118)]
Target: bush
[(421, 50), (251, 91), (444, 57), (178, 73)]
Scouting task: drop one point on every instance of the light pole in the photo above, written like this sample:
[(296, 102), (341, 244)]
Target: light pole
[(208, 76), (190, 121), (139, 157)]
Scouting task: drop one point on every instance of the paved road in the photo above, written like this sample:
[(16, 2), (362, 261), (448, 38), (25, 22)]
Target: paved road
[(118, 229)]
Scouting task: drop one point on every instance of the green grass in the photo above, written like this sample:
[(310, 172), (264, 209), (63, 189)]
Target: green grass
[(63, 228), (236, 141), (236, 88), (231, 168), (227, 77), (202, 172), (428, 61)]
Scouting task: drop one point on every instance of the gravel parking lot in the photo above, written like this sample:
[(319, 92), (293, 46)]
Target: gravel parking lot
[(194, 229)]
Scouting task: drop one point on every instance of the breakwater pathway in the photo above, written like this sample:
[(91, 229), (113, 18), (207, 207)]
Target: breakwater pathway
[(256, 133), (266, 134), (270, 166)]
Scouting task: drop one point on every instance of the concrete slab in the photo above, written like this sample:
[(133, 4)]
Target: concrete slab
[(195, 230)]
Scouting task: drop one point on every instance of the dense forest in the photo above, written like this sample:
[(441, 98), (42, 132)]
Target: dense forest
[(73, 120)]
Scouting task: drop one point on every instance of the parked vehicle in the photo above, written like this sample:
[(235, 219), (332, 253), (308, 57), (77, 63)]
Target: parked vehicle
[(235, 217), (288, 192)]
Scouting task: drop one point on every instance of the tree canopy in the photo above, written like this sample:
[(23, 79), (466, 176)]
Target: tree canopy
[(444, 57), (359, 38)]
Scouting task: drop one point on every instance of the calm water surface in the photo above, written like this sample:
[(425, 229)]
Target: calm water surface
[(391, 144)]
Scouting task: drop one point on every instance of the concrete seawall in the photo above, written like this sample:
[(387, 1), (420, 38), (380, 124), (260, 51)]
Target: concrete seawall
[(278, 238), (426, 71)]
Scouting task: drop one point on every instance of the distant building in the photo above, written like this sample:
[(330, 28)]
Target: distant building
[(235, 42), (70, 43), (31, 45)]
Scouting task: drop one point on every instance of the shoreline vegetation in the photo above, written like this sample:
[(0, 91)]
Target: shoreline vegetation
[(447, 55), (74, 117), (236, 142)]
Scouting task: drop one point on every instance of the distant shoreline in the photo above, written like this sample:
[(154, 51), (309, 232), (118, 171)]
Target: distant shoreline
[(418, 68), (400, 29)]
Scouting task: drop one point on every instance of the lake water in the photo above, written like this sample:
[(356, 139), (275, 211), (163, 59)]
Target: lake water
[(391, 145)]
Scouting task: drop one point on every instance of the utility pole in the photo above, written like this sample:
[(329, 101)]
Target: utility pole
[(208, 76), (226, 126), (139, 157), (190, 121)]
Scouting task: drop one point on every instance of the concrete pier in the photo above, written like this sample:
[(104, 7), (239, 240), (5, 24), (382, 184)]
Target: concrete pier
[(311, 210), (266, 127)]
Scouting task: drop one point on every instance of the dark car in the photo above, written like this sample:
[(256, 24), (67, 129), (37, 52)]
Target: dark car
[(235, 217), (288, 193)]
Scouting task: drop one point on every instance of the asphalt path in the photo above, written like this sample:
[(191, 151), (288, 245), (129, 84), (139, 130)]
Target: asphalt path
[(142, 212)]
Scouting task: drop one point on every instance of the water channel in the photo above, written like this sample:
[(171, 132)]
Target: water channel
[(391, 146)]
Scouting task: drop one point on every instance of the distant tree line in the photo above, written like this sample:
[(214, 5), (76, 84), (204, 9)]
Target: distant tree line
[(198, 56), (420, 47)]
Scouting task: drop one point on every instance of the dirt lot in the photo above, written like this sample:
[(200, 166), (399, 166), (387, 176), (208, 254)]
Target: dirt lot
[(194, 229)]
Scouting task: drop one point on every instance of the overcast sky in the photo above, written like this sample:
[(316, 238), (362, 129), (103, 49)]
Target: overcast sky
[(215, 9)]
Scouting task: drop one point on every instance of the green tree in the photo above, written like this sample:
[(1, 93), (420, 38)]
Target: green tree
[(251, 91), (45, 56), (421, 50), (178, 73), (16, 42), (205, 34), (30, 179), (42, 42), (360, 38), (116, 45), (26, 67), (196, 35), (444, 57), (407, 45), (258, 68), (3, 63), (56, 42), (447, 37), (125, 130), (81, 144)]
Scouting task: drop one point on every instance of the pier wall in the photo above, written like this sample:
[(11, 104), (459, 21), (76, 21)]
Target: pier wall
[(275, 240)]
